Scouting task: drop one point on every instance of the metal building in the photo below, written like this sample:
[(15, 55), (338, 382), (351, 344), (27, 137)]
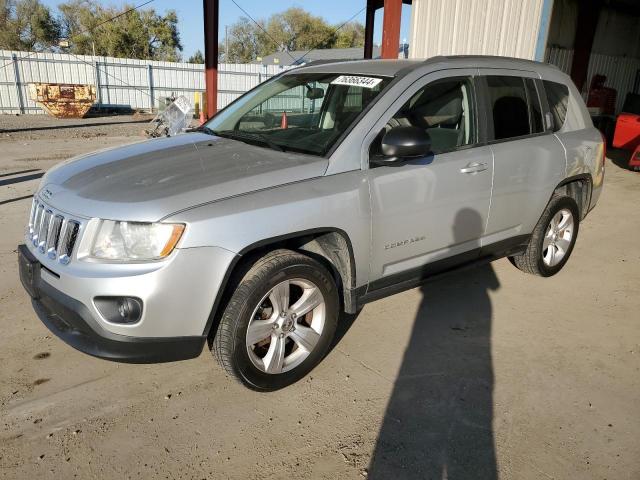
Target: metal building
[(582, 37), (475, 27)]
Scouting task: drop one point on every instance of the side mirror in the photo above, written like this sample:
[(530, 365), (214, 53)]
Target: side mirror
[(315, 93), (401, 143)]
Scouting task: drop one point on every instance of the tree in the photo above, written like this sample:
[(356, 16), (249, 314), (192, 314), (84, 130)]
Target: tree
[(142, 34), (246, 41), (350, 35), (27, 25), (297, 29), (293, 29), (197, 57)]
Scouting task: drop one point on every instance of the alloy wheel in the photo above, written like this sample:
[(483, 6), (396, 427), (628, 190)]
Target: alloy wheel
[(557, 239), (286, 326)]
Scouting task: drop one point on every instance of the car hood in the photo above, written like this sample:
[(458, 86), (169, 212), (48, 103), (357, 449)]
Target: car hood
[(149, 180)]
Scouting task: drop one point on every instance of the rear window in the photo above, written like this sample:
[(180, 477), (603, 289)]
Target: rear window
[(558, 99)]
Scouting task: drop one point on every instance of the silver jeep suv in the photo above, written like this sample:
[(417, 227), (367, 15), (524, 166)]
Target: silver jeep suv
[(322, 189)]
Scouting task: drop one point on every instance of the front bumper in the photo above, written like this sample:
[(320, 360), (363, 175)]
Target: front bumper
[(74, 322)]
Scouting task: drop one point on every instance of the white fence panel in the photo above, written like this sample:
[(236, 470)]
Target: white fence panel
[(143, 84), (120, 82)]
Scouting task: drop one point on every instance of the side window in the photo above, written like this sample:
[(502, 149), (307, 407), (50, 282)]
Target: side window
[(508, 104), (535, 111), (558, 98), (444, 109)]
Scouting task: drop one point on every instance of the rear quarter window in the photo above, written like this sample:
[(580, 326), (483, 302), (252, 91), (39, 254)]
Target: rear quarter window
[(558, 99)]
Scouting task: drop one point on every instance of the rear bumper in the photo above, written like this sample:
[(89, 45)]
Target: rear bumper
[(71, 321)]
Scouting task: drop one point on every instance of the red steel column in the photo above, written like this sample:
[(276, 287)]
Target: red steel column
[(391, 28), (211, 9), (368, 29)]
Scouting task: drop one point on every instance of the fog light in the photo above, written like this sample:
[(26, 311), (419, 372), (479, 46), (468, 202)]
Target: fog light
[(119, 309)]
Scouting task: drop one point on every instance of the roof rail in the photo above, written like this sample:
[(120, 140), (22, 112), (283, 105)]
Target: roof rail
[(439, 58), (325, 61)]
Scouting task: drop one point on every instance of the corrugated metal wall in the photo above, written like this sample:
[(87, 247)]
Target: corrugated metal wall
[(474, 27), (560, 57), (620, 71), (138, 84)]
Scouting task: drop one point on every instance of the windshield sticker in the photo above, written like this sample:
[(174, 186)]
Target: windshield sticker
[(357, 81)]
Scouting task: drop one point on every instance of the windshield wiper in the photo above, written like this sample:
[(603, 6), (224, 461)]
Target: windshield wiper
[(206, 130), (248, 137)]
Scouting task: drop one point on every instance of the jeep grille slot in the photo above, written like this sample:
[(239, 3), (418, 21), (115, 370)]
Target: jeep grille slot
[(34, 206), (69, 238), (54, 236), (37, 222), (51, 232), (44, 230)]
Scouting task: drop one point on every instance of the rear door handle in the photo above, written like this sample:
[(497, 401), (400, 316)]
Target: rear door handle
[(474, 167)]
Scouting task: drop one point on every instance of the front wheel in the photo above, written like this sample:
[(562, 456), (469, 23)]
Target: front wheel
[(279, 321), (552, 240)]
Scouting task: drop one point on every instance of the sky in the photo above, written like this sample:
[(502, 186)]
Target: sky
[(191, 22)]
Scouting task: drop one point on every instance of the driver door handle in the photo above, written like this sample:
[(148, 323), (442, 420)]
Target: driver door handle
[(475, 167)]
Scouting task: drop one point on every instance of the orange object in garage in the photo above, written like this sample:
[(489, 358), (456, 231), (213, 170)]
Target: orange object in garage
[(627, 133)]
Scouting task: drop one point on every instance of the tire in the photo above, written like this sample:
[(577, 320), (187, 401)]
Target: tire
[(538, 259), (291, 345)]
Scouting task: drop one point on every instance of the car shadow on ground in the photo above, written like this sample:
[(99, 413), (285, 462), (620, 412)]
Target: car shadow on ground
[(438, 422), (619, 157), (345, 322)]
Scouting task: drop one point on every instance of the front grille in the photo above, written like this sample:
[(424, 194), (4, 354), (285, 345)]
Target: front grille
[(52, 233)]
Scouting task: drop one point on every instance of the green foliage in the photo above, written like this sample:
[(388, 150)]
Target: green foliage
[(142, 34), (296, 29), (145, 34), (350, 35), (197, 57), (293, 29), (246, 41), (27, 25)]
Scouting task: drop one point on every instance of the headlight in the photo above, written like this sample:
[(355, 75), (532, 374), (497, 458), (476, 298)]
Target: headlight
[(135, 241)]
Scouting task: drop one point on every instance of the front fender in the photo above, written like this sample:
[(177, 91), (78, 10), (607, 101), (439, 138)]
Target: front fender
[(333, 203)]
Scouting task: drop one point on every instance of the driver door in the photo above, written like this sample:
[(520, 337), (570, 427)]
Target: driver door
[(431, 213)]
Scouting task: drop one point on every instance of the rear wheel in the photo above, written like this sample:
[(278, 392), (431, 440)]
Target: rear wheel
[(552, 240), (279, 321)]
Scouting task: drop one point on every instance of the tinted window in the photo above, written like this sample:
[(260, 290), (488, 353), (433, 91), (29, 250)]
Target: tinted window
[(535, 112), (558, 98), (508, 103), (444, 110)]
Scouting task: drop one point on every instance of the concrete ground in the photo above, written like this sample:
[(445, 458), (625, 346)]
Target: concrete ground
[(486, 374)]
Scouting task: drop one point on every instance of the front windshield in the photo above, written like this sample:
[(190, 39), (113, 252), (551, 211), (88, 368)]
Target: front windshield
[(304, 112)]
